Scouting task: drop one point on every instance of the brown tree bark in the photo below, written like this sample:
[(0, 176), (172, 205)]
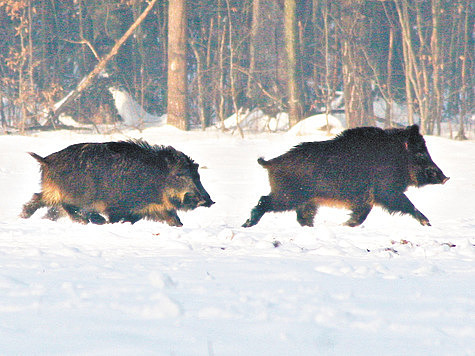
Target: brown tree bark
[(357, 90), (437, 105), (295, 111), (177, 81)]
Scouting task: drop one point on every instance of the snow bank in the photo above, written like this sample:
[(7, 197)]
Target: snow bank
[(256, 121), (388, 287), (132, 112), (315, 123)]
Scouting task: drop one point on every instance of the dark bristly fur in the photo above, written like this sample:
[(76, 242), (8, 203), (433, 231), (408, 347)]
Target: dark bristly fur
[(125, 181), (360, 168)]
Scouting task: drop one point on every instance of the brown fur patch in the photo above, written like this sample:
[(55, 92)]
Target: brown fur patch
[(169, 193), (413, 177), (331, 202), (152, 209), (99, 206), (342, 204), (52, 194)]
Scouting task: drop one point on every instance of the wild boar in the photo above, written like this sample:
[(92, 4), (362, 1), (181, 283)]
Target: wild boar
[(125, 181), (358, 169)]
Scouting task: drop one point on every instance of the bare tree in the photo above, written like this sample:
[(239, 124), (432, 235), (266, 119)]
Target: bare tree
[(177, 79), (295, 107), (464, 69), (357, 90)]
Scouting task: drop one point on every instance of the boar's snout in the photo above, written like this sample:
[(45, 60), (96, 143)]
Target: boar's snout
[(193, 201), (205, 199), (207, 202), (434, 175)]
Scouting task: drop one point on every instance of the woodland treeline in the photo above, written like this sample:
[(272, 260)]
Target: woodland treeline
[(202, 60)]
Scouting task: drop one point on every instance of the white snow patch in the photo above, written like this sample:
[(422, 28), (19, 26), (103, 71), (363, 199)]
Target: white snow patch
[(388, 287), (313, 124), (132, 112), (256, 121)]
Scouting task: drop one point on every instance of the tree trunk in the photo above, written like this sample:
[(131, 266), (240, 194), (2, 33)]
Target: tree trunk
[(199, 78), (295, 111), (389, 69), (356, 86), (436, 65), (256, 10), (177, 79), (464, 89)]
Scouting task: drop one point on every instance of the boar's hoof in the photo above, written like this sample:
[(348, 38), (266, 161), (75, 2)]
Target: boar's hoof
[(421, 218), (172, 219), (352, 223), (53, 213), (248, 223), (96, 218), (175, 223), (425, 222)]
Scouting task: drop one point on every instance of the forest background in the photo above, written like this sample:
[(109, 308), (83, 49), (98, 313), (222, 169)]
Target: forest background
[(199, 61)]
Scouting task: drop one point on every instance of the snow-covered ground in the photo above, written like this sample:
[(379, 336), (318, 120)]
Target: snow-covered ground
[(389, 287)]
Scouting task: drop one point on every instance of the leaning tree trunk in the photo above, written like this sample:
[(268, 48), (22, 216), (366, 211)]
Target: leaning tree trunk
[(177, 81), (88, 80)]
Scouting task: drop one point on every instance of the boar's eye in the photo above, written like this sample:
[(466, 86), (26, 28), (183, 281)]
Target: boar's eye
[(431, 172), (182, 173), (421, 157)]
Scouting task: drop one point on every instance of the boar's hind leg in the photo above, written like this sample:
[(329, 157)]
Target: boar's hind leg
[(75, 213), (400, 203), (358, 215), (34, 204), (306, 213), (54, 213), (116, 215), (263, 206), (95, 218)]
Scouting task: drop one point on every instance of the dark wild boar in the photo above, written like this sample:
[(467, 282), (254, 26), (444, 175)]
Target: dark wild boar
[(358, 169), (125, 181)]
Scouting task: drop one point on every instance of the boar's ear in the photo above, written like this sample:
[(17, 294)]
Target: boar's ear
[(414, 127), (414, 135), (413, 130)]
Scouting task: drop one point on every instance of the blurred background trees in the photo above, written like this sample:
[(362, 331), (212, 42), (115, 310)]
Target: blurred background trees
[(275, 55)]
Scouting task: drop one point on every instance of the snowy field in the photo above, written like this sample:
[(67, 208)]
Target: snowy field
[(388, 287)]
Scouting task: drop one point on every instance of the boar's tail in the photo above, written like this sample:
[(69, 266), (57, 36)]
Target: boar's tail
[(262, 162), (40, 159)]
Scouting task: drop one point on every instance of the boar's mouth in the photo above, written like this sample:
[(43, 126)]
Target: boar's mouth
[(192, 201), (206, 203), (445, 180)]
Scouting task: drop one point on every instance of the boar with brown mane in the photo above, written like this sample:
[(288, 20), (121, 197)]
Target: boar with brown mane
[(358, 169), (125, 181)]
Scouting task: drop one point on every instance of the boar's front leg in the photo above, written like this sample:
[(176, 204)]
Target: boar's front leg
[(169, 216), (263, 206), (172, 218), (358, 215), (306, 213), (400, 203)]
